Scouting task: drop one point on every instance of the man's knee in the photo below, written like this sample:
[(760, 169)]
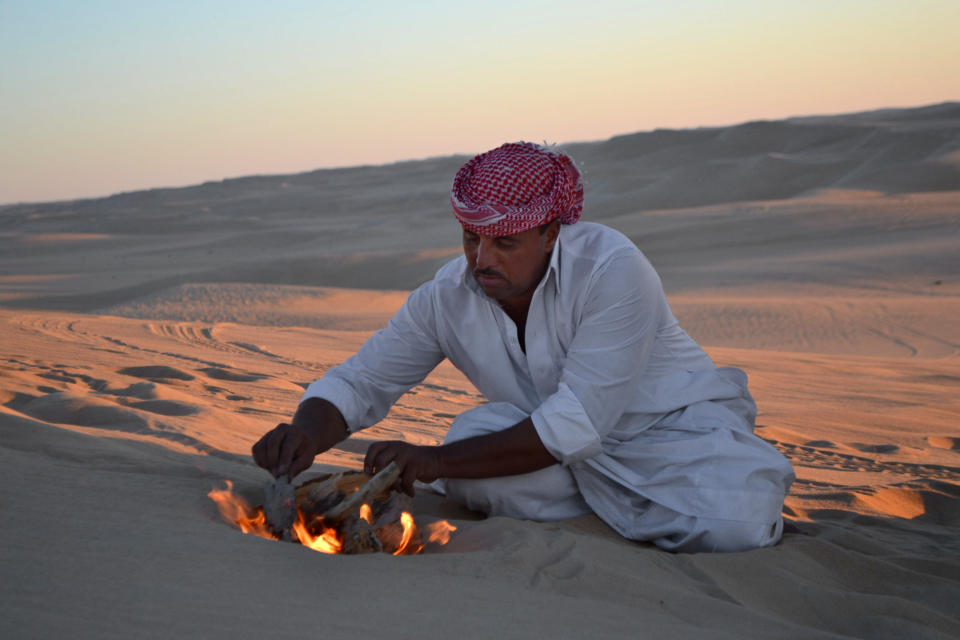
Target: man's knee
[(487, 418), (547, 494)]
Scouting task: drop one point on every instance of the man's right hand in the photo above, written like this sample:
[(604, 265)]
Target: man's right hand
[(288, 449), (285, 450)]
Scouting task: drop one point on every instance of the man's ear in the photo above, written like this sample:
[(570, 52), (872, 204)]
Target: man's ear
[(550, 235)]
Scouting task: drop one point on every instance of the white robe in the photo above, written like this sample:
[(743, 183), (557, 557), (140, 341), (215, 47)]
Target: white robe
[(654, 436)]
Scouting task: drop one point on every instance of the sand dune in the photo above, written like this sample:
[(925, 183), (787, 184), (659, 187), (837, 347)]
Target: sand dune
[(691, 199), (148, 339)]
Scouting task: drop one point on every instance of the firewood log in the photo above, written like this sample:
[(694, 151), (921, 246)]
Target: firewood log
[(358, 536), (320, 494), (336, 499), (381, 483)]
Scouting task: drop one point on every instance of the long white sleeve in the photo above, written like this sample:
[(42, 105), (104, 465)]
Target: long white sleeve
[(392, 361)]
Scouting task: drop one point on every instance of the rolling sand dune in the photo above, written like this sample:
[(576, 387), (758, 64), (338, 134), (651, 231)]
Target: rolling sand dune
[(148, 339)]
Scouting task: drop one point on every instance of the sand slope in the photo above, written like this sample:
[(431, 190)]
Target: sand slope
[(147, 340), (114, 429)]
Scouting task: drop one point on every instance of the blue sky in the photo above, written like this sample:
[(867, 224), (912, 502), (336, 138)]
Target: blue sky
[(107, 96)]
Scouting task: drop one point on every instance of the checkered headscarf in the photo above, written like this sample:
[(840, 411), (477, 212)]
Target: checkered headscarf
[(516, 187)]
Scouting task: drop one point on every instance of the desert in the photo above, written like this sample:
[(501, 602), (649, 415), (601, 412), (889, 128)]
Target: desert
[(150, 338)]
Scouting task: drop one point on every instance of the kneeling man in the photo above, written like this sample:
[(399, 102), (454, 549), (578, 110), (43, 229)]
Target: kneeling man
[(598, 400)]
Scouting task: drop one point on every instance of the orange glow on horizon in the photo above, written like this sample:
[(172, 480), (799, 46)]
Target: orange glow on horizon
[(367, 92)]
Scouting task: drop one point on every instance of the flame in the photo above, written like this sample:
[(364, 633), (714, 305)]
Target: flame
[(319, 537), (236, 510), (327, 541), (406, 546), (366, 513), (439, 531)]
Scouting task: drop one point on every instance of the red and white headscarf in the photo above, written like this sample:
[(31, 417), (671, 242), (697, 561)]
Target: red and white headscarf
[(516, 187)]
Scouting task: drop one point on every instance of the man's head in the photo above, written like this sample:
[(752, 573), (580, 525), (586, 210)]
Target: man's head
[(511, 202), (515, 187)]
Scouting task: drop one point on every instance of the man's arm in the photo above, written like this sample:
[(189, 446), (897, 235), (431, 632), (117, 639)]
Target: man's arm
[(504, 453), (289, 448), (358, 392)]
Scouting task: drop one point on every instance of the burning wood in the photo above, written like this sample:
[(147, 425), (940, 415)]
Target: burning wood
[(346, 513)]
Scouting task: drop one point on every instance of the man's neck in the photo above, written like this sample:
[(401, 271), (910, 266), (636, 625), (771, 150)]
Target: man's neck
[(519, 319), (517, 307)]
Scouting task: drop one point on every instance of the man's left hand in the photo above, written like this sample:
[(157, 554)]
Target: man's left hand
[(415, 462)]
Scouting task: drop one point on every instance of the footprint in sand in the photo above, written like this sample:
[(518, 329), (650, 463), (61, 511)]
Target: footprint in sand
[(219, 373), (61, 374), (159, 399), (86, 410), (944, 442), (156, 372), (81, 410), (226, 393), (875, 448), (166, 407), (142, 390), (254, 349)]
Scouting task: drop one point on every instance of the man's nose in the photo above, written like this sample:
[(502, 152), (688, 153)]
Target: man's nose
[(484, 253)]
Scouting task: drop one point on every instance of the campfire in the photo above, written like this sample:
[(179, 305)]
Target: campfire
[(347, 512)]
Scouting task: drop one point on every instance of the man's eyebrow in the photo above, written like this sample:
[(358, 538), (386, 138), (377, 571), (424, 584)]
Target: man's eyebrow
[(509, 238)]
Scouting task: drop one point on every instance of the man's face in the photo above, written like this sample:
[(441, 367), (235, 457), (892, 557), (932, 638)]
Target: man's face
[(508, 268)]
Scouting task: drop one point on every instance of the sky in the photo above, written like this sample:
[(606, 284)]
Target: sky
[(103, 96)]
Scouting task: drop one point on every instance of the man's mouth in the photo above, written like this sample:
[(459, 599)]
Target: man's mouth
[(487, 278)]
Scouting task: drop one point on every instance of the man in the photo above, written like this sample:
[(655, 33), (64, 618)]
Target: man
[(598, 400)]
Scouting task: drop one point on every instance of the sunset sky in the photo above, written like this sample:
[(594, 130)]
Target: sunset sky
[(98, 97)]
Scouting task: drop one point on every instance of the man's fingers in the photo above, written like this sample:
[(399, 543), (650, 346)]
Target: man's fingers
[(408, 457), (261, 451), (277, 449), (291, 446), (409, 475), (379, 455), (302, 461), (368, 458), (271, 450)]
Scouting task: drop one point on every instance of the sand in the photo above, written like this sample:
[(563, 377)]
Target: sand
[(148, 339)]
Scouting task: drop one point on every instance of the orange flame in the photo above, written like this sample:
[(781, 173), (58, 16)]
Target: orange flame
[(409, 530), (366, 513), (318, 536), (235, 509), (327, 541), (439, 531)]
